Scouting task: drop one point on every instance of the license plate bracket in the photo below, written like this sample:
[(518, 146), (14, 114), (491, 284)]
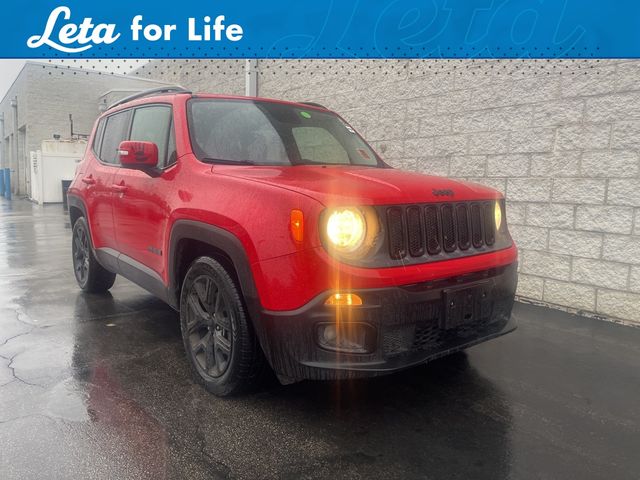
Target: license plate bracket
[(465, 305)]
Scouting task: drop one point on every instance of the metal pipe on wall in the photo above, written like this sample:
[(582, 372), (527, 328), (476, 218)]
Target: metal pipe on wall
[(15, 163), (2, 153), (251, 78)]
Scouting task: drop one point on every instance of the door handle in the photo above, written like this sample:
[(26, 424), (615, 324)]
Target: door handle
[(119, 187), (88, 180)]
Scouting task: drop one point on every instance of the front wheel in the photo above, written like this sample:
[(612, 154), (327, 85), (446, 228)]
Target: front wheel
[(221, 346), (90, 275)]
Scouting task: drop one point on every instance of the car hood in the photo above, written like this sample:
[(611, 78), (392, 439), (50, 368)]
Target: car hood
[(353, 185)]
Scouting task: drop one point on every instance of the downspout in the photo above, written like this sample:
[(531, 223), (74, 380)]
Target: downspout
[(2, 155), (2, 159), (15, 160), (251, 78)]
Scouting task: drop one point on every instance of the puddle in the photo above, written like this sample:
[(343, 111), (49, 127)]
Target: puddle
[(67, 400)]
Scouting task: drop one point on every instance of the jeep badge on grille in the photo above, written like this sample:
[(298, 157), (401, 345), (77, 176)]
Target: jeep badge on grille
[(442, 192)]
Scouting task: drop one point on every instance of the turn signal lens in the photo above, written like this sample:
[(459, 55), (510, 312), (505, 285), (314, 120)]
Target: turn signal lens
[(346, 229), (343, 300), (296, 225), (498, 215)]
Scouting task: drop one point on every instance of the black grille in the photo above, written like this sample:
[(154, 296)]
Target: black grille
[(432, 227), (463, 226), (428, 335), (489, 224), (422, 330), (417, 230), (396, 233), (448, 228), (476, 225)]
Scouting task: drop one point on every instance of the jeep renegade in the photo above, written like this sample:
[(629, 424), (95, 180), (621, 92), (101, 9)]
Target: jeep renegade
[(284, 240)]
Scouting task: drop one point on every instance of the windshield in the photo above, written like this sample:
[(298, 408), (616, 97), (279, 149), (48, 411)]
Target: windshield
[(269, 133)]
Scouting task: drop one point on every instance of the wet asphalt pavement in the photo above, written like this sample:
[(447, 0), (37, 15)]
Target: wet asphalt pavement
[(98, 387)]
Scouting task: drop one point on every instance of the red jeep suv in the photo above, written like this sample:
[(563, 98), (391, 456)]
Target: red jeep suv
[(284, 240)]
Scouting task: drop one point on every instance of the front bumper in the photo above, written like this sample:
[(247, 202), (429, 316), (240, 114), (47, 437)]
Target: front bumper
[(412, 326)]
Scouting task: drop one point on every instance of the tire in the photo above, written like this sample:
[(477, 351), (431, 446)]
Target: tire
[(222, 348), (90, 275)]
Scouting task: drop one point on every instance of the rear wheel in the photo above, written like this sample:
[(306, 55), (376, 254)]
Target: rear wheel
[(90, 275), (218, 338)]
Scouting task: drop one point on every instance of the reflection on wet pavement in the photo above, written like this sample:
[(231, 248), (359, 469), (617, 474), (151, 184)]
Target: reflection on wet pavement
[(97, 386)]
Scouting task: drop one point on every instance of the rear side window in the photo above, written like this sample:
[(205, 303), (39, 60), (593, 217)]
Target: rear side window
[(153, 124), (115, 131), (97, 139)]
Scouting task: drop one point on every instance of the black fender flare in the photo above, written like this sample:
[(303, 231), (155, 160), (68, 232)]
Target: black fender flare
[(232, 247), (77, 202)]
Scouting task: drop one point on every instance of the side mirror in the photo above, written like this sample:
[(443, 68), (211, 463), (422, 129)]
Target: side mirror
[(138, 155)]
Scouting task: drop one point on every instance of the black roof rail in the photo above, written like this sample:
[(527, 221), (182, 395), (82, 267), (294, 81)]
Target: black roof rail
[(314, 104), (166, 90)]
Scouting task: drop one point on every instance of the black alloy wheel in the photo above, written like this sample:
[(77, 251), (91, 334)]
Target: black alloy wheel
[(90, 275), (81, 252), (218, 336), (209, 324)]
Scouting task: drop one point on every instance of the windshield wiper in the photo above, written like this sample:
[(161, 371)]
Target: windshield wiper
[(307, 161), (224, 161)]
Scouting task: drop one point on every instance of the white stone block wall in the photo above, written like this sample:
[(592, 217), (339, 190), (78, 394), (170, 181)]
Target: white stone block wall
[(560, 138)]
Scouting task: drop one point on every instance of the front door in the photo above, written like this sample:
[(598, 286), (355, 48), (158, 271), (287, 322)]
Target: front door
[(141, 212)]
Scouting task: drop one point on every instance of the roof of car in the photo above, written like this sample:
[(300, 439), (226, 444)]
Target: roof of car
[(313, 105), (155, 95)]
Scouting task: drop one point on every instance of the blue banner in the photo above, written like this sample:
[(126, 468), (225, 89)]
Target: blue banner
[(322, 29)]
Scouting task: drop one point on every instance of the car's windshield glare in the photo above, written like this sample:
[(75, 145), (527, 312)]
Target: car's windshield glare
[(270, 133)]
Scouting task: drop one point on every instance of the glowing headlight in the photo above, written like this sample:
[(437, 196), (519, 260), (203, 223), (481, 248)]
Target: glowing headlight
[(346, 229), (498, 215)]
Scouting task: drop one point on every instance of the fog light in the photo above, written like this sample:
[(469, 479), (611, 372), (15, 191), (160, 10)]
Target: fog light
[(329, 334), (346, 337)]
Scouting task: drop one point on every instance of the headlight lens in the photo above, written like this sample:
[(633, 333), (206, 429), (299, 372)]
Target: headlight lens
[(346, 229), (350, 233), (498, 215)]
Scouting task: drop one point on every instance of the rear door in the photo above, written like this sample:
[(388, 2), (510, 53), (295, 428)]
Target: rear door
[(141, 210), (98, 179)]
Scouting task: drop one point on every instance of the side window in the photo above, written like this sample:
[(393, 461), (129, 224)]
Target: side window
[(172, 154), (153, 124), (97, 139), (115, 131), (319, 145)]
